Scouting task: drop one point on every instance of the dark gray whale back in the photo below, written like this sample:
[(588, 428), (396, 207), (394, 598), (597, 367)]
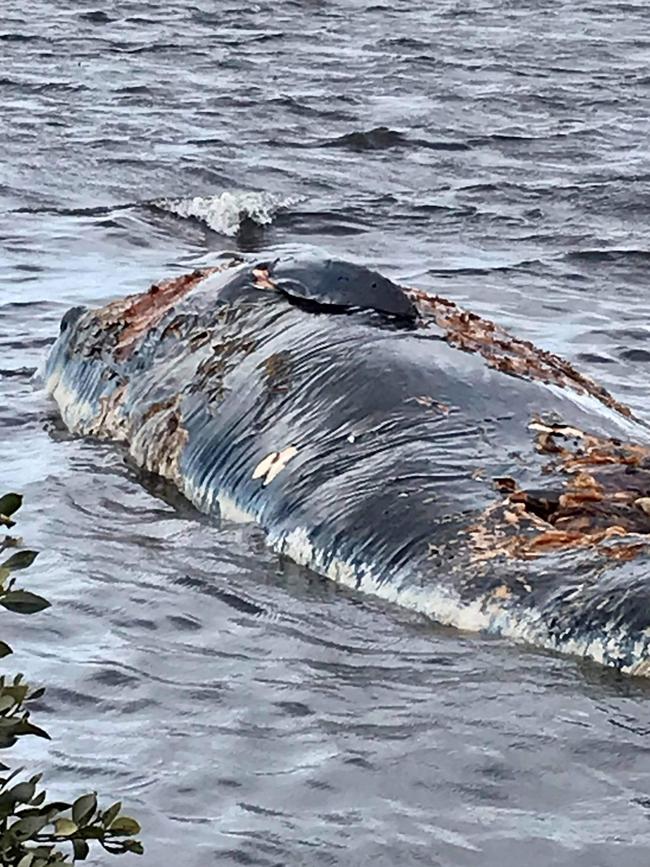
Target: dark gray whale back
[(386, 439)]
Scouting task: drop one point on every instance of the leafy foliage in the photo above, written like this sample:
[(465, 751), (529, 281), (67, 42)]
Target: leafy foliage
[(32, 828), (9, 504)]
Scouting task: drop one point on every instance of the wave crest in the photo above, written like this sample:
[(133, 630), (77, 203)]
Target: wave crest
[(224, 213)]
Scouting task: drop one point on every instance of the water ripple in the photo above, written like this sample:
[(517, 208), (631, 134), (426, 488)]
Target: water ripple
[(248, 711)]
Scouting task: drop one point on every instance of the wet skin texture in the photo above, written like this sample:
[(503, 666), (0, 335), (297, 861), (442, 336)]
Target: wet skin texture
[(385, 438)]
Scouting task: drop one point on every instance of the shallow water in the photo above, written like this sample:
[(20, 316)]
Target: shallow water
[(246, 711)]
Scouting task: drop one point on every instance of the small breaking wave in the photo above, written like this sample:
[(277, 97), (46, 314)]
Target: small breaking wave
[(225, 213)]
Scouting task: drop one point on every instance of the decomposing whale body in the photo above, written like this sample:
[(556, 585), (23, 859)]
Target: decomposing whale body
[(385, 438)]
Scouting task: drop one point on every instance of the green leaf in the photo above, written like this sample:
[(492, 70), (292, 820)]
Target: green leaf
[(18, 693), (26, 860), (38, 800), (65, 828), (81, 850), (42, 851), (22, 793), (10, 503), (6, 703), (24, 727), (12, 776), (5, 650), (20, 560), (24, 829), (23, 602), (134, 846), (111, 814), (125, 825), (84, 808)]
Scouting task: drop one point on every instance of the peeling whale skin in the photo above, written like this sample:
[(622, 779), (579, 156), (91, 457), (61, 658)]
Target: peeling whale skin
[(383, 437)]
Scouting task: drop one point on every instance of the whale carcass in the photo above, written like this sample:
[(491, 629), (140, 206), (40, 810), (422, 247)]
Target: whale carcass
[(383, 437)]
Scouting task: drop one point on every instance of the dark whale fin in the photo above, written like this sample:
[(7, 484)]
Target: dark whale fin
[(332, 283)]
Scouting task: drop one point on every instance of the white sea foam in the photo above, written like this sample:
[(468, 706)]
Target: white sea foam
[(225, 213)]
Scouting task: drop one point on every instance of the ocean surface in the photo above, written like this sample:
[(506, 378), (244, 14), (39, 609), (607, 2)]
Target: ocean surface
[(245, 710)]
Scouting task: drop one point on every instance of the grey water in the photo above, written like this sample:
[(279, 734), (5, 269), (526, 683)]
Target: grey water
[(247, 711)]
